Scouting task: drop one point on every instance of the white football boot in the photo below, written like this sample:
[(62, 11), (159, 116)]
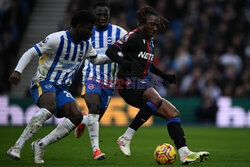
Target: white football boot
[(124, 144), (194, 157), (38, 152), (14, 153)]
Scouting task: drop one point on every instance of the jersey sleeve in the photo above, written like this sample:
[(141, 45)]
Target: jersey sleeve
[(127, 42), (91, 51), (47, 44)]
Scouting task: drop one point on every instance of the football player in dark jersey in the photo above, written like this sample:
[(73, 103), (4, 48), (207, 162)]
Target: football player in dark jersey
[(136, 64)]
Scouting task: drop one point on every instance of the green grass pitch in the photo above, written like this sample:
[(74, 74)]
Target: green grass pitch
[(227, 147)]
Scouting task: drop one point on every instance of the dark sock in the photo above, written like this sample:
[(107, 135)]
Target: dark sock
[(176, 133), (142, 116)]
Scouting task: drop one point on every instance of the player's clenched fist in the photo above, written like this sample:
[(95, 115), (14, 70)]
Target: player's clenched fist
[(15, 78)]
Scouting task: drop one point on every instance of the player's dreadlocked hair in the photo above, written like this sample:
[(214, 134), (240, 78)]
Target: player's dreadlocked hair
[(142, 13)]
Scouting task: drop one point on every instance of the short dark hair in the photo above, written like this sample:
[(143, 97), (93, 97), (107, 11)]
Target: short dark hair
[(83, 17), (101, 3)]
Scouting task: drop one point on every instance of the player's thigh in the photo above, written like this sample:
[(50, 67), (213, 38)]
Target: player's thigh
[(44, 95), (92, 100), (167, 110), (133, 97), (91, 92), (151, 95), (64, 97), (72, 111)]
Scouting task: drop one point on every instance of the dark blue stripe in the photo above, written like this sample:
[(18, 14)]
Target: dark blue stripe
[(58, 54), (68, 47), (151, 61), (75, 71), (174, 120), (87, 47), (101, 39), (58, 74), (81, 56), (118, 33), (102, 72), (101, 46), (109, 44), (64, 78), (151, 106), (93, 44), (117, 37), (38, 50), (109, 36), (75, 52), (93, 40), (87, 72)]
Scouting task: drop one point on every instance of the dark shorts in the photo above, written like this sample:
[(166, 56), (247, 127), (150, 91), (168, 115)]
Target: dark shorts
[(132, 92)]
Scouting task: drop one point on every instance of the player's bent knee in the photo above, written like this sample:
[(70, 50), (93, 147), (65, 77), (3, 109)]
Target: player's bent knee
[(76, 118), (94, 108), (167, 110)]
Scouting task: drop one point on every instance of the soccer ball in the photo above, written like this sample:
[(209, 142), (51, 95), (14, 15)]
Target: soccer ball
[(165, 154)]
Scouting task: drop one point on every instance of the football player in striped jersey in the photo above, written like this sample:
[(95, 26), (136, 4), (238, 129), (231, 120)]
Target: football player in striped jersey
[(99, 80), (60, 56)]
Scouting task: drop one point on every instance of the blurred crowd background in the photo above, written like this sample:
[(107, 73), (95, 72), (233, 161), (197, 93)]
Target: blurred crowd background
[(206, 43), (14, 16)]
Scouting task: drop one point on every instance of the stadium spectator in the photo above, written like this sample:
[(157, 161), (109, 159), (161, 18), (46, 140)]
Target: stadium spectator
[(206, 113), (212, 25), (136, 64)]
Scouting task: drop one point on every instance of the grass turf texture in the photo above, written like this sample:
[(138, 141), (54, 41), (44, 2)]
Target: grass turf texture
[(227, 147)]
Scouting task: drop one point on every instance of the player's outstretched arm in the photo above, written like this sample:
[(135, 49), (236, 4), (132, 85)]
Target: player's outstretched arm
[(15, 77), (100, 59), (170, 78)]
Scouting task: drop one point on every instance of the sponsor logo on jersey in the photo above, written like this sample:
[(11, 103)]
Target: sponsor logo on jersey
[(146, 55)]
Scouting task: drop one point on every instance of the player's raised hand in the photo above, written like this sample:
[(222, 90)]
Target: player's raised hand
[(15, 78)]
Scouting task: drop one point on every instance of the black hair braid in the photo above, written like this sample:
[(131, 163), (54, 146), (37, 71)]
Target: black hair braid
[(142, 13)]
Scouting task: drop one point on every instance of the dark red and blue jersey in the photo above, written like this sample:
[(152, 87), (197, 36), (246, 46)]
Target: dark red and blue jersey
[(137, 50)]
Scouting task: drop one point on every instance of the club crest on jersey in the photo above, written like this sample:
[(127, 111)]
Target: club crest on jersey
[(109, 40), (91, 86), (80, 54), (48, 86), (146, 55)]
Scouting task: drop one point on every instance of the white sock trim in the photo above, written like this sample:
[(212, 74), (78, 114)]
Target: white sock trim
[(129, 133), (183, 151), (85, 120)]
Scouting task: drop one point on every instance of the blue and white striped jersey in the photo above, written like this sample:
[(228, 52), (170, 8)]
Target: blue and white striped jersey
[(101, 40), (60, 57)]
